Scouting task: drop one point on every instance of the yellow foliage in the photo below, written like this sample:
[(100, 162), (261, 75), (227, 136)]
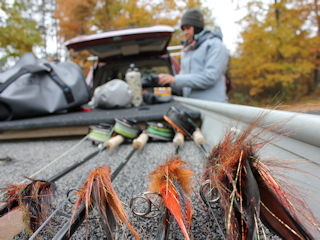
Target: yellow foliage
[(275, 55)]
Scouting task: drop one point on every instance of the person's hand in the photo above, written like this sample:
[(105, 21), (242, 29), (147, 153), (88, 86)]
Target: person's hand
[(165, 79)]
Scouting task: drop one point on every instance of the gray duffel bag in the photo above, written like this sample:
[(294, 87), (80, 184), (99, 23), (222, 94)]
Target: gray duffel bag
[(36, 87)]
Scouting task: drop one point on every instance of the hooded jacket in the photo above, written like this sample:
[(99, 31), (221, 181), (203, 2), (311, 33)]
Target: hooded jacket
[(203, 68)]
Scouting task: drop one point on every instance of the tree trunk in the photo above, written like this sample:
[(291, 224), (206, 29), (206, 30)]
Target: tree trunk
[(317, 65), (280, 56)]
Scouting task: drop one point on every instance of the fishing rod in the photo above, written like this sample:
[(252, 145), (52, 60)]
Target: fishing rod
[(57, 210), (251, 195), (54, 160), (156, 131), (164, 222), (108, 145), (166, 218), (174, 189), (7, 207), (211, 195), (182, 122), (124, 129), (137, 144)]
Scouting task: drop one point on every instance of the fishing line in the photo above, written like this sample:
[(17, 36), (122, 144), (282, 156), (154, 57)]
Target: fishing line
[(58, 158), (53, 161), (75, 165), (6, 208), (100, 133), (183, 123), (130, 130), (159, 131), (126, 129), (79, 217), (207, 203), (61, 205), (164, 132)]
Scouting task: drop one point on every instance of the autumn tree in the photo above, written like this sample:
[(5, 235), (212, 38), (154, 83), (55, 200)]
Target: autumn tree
[(43, 12), (314, 7), (18, 31), (275, 54), (78, 17)]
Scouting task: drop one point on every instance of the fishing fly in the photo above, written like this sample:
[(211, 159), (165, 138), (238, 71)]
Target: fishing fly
[(251, 195)]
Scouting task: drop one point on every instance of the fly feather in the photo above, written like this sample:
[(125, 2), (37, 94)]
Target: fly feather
[(97, 191), (249, 191), (34, 199), (174, 183)]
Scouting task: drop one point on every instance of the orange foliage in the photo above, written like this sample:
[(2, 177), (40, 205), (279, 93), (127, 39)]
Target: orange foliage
[(80, 17)]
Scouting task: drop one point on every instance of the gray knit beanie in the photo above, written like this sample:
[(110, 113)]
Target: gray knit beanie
[(192, 17)]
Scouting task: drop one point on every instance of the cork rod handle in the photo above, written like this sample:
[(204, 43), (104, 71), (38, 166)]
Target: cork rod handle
[(140, 141), (178, 140), (198, 137), (113, 142)]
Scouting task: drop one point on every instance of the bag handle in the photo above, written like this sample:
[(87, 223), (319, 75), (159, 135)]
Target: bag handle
[(36, 68), (65, 88)]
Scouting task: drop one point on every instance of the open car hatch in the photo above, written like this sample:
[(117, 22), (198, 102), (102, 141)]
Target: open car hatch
[(125, 42)]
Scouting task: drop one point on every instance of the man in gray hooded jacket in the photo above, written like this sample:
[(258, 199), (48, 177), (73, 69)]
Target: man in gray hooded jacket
[(203, 62)]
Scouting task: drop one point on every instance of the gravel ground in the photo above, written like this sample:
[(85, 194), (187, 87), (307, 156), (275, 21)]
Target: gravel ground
[(30, 156)]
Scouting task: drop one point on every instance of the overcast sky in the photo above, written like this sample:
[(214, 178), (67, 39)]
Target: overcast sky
[(226, 15)]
